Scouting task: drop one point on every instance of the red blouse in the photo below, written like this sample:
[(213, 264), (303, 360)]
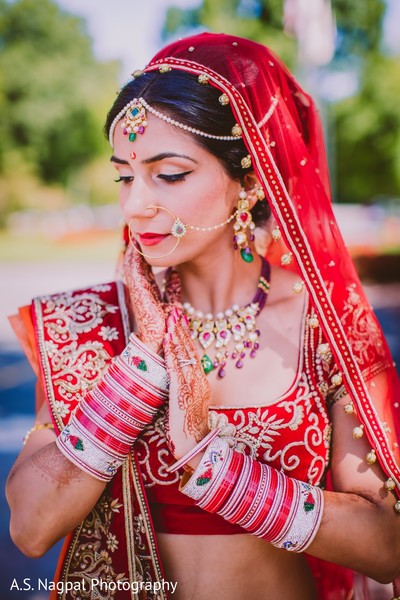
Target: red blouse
[(292, 434)]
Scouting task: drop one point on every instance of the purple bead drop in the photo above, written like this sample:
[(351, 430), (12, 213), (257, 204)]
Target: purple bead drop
[(242, 354), (253, 353), (239, 364), (234, 355), (221, 373), (256, 345)]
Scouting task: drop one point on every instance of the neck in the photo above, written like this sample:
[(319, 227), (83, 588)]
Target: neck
[(212, 285)]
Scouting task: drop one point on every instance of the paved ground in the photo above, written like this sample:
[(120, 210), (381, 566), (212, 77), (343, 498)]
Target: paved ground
[(19, 283)]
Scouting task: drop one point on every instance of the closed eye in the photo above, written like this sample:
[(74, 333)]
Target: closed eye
[(124, 179), (175, 177)]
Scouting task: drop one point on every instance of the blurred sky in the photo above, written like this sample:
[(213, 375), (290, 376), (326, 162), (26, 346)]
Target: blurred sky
[(130, 30)]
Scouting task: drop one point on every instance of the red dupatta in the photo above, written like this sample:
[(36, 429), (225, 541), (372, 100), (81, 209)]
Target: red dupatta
[(282, 132)]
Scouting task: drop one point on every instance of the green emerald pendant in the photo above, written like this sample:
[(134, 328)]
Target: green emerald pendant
[(132, 137), (247, 256), (207, 364)]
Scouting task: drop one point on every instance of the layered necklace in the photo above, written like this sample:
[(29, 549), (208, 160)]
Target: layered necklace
[(214, 332)]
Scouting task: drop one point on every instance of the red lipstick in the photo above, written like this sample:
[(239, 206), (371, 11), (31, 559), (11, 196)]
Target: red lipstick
[(151, 239)]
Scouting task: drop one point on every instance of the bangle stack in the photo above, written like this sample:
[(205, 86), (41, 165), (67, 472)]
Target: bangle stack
[(281, 510), (108, 420)]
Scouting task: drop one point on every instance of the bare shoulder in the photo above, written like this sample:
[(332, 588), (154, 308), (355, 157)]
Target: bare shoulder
[(282, 294)]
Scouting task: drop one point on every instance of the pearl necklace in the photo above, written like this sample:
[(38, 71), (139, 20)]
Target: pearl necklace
[(237, 322)]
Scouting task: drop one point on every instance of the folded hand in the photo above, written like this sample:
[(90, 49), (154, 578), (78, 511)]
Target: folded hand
[(190, 392)]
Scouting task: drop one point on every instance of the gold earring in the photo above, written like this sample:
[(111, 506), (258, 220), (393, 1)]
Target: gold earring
[(243, 222)]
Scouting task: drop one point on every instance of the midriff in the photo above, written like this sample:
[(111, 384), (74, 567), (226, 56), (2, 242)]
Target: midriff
[(234, 567)]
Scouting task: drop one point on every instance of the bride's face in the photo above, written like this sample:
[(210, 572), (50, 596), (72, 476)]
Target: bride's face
[(166, 168)]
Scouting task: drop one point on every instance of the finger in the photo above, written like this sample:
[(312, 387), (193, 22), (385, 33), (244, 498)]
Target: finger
[(138, 272), (187, 362), (184, 350), (173, 288), (189, 387), (169, 348), (176, 356), (185, 340)]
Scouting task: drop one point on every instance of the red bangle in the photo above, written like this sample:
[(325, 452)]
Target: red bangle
[(223, 484), (259, 499), (133, 386), (283, 519), (132, 378), (266, 500), (247, 501), (132, 408), (120, 414), (231, 503), (97, 407), (100, 434)]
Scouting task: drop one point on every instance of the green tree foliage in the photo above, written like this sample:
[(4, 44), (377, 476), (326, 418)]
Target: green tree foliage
[(53, 93), (366, 126), (368, 134), (359, 26)]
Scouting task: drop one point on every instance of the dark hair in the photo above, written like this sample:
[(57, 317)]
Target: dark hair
[(180, 96)]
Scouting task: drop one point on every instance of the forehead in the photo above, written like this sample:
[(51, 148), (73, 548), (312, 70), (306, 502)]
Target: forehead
[(158, 137)]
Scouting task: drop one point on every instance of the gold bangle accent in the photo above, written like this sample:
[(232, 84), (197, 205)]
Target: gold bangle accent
[(36, 427)]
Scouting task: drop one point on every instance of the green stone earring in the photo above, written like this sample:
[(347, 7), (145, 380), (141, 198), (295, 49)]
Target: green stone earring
[(243, 222)]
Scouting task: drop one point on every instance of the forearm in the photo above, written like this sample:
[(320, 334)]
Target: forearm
[(66, 477), (354, 531), (361, 534), (48, 496), (106, 423)]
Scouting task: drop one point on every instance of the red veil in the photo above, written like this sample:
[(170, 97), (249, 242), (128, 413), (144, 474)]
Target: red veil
[(282, 131)]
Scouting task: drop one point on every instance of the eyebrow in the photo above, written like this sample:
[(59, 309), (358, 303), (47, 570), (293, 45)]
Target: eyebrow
[(153, 159), (164, 155), (119, 161)]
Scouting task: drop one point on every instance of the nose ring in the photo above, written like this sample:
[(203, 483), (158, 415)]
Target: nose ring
[(178, 230)]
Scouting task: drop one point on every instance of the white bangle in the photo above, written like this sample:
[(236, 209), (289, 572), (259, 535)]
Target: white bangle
[(189, 455)]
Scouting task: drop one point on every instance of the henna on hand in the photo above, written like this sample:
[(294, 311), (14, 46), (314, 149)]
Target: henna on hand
[(173, 290), (145, 298), (189, 389), (54, 466)]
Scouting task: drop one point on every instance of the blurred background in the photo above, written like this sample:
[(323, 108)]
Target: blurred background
[(61, 63)]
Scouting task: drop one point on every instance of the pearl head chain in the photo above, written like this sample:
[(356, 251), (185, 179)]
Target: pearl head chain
[(167, 119)]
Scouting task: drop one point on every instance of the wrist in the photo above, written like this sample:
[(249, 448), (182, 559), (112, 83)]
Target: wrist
[(108, 420), (281, 510)]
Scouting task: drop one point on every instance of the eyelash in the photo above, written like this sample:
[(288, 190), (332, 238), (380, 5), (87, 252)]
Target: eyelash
[(174, 178), (125, 179)]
